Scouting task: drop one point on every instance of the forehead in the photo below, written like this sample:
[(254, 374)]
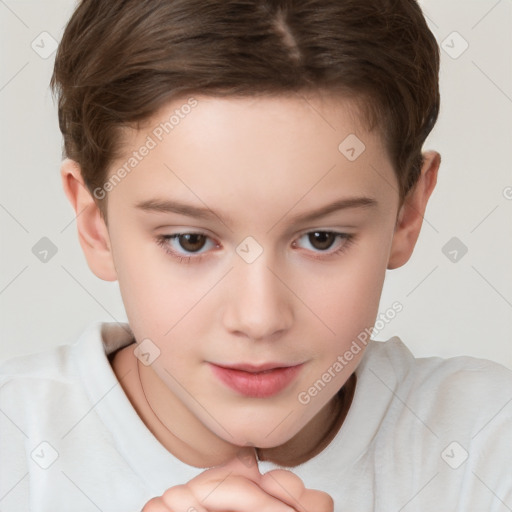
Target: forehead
[(326, 117), (265, 146)]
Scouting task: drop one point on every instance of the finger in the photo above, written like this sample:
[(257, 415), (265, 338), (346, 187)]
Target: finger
[(155, 505), (181, 497), (284, 485), (290, 489), (244, 463), (240, 494), (318, 501), (248, 457)]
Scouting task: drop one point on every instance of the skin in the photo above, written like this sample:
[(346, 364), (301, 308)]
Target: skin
[(239, 486), (257, 163)]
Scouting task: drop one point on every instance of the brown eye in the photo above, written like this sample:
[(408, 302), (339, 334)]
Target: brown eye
[(321, 240), (192, 242)]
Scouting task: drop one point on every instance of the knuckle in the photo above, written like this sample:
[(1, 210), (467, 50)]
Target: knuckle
[(287, 480), (326, 502), (155, 505), (180, 496), (319, 500)]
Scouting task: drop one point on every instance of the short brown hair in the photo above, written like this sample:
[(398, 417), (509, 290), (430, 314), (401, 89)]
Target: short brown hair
[(120, 61)]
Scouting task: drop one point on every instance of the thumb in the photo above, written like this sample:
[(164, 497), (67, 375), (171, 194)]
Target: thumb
[(244, 463)]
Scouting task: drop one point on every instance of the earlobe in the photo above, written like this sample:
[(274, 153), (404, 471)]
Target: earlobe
[(410, 217), (92, 230)]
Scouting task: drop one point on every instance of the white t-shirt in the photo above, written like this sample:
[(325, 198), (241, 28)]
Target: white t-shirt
[(427, 434)]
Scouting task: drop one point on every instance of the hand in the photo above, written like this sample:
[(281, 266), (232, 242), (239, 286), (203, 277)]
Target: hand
[(239, 486)]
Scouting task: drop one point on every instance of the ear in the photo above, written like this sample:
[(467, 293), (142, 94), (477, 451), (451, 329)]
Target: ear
[(92, 230), (410, 217)]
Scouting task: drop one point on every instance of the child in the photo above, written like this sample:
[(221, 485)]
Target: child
[(247, 170)]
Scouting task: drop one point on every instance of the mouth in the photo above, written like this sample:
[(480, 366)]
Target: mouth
[(261, 381)]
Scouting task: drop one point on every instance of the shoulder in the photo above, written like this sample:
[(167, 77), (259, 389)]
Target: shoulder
[(28, 381), (464, 397), (36, 390), (455, 375), (451, 416), (37, 365), (62, 362), (37, 372), (68, 373)]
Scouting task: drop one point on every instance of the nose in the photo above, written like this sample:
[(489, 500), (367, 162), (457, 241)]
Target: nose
[(258, 305)]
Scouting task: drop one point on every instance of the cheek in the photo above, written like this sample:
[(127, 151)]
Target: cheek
[(155, 295), (347, 299)]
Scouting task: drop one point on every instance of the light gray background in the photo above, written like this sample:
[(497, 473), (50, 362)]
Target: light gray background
[(449, 308)]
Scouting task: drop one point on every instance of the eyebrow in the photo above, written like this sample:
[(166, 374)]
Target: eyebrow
[(167, 206)]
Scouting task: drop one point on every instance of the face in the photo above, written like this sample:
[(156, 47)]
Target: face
[(251, 252)]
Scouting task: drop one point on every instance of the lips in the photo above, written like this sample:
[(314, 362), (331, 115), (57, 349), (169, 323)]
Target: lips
[(251, 368), (256, 381)]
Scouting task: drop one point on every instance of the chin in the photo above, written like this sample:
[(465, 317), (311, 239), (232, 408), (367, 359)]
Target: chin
[(260, 438)]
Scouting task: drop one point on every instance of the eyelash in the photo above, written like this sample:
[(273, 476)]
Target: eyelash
[(162, 241)]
